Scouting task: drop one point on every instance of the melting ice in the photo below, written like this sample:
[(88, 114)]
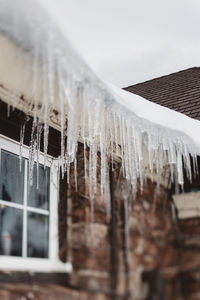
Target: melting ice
[(89, 110)]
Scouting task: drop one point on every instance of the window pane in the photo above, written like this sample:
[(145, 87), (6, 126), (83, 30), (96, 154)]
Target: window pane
[(39, 197), (38, 235), (11, 179), (10, 231)]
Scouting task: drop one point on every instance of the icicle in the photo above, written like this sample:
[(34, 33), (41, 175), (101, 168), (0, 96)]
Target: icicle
[(32, 154), (35, 75), (85, 160), (127, 227), (103, 156), (111, 134), (22, 132), (68, 165), (38, 140), (62, 116), (8, 111), (173, 212), (91, 188), (75, 173), (88, 110)]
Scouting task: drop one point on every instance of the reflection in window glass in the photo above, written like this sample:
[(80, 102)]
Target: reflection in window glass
[(39, 197), (16, 216), (38, 235), (10, 231), (11, 179)]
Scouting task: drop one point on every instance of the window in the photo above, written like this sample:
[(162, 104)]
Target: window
[(28, 214), (24, 209)]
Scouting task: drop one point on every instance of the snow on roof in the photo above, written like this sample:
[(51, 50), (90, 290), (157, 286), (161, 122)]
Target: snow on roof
[(158, 114), (104, 117)]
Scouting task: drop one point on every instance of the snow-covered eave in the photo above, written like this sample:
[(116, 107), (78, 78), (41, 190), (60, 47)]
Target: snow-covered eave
[(41, 65), (16, 79), (17, 89), (160, 115)]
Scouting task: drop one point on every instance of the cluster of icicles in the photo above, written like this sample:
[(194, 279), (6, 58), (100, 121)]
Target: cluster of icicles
[(88, 110)]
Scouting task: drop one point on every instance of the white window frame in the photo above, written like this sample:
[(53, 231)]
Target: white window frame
[(21, 263)]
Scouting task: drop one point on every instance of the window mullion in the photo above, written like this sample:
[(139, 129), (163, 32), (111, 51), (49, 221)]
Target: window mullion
[(38, 210), (24, 240), (11, 204)]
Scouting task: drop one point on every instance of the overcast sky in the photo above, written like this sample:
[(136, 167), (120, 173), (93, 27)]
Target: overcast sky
[(129, 41)]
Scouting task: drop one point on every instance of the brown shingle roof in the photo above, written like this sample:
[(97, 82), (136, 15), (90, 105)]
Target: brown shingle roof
[(179, 91)]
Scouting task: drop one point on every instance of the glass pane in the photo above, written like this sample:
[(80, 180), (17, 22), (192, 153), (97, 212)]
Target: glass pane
[(39, 197), (38, 235), (10, 231), (11, 179)]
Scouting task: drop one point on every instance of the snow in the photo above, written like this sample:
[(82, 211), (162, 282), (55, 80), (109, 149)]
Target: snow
[(158, 114), (143, 135)]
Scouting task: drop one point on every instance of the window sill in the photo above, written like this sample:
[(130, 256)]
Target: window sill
[(34, 265)]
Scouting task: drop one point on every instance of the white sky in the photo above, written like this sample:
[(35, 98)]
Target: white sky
[(129, 41)]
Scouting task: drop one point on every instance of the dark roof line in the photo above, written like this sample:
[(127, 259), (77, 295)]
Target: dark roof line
[(179, 91), (161, 77)]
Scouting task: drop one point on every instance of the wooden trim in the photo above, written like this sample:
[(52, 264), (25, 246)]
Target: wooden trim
[(11, 122)]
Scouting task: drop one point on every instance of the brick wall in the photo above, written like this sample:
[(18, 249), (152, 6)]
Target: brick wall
[(160, 260)]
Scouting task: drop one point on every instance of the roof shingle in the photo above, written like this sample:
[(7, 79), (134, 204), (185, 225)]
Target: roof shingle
[(179, 91)]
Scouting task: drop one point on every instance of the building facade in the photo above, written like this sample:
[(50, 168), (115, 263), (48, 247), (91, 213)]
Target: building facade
[(51, 249)]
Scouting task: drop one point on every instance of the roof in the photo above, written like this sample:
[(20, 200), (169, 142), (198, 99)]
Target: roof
[(179, 91)]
